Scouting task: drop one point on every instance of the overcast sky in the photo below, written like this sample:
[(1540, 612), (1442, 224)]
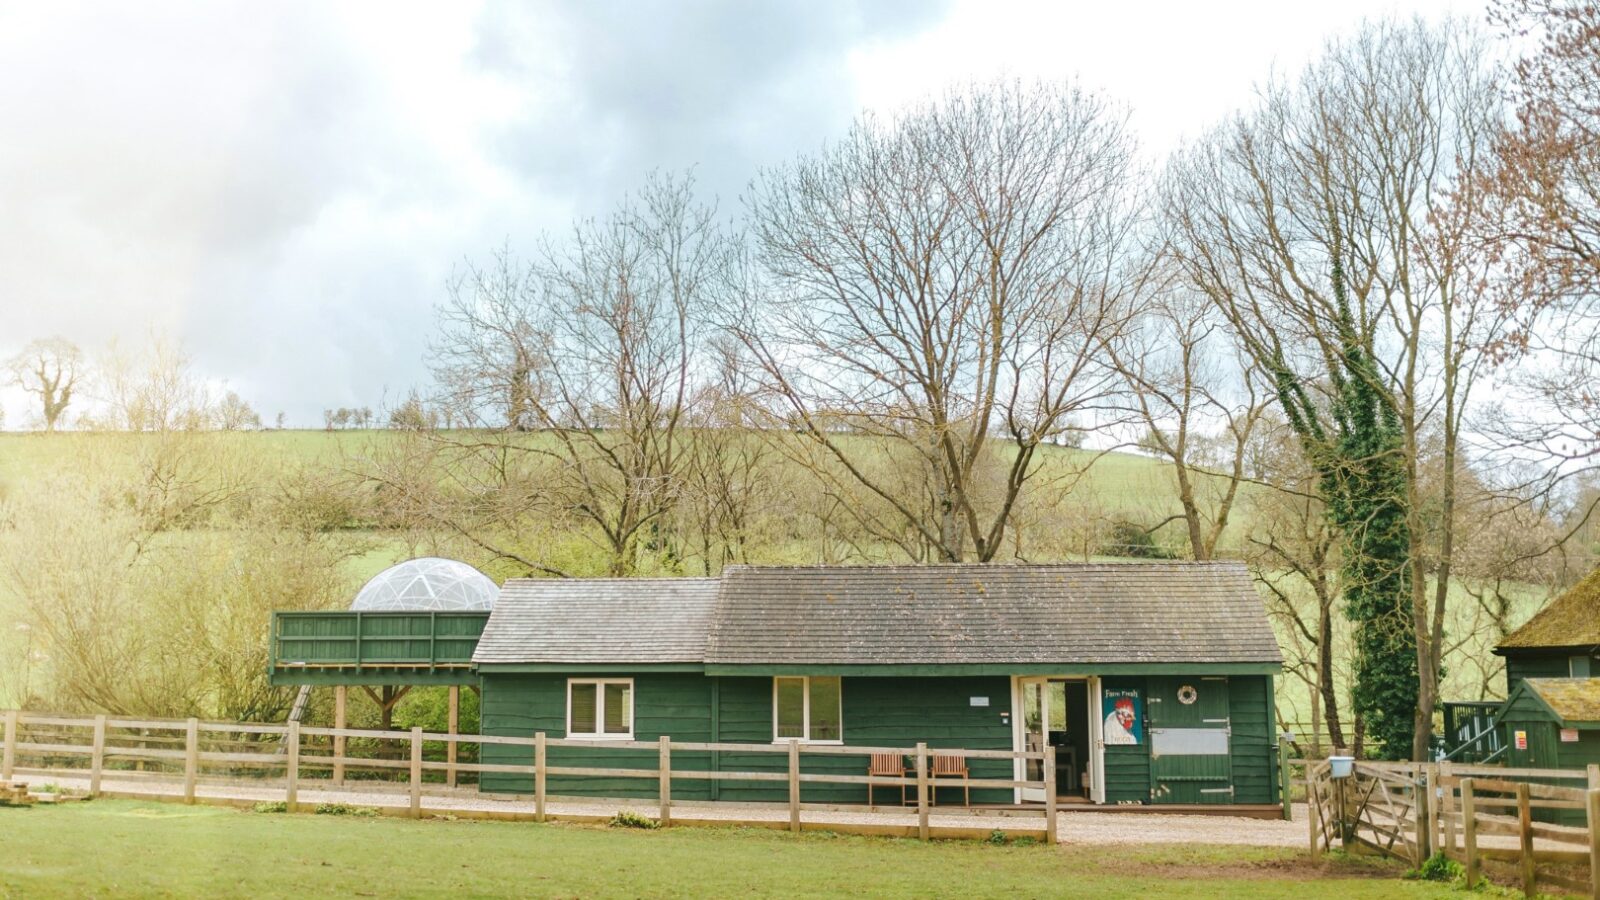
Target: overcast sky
[(286, 187)]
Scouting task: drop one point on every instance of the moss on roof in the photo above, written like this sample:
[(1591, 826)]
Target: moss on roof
[(1573, 699), (1570, 620)]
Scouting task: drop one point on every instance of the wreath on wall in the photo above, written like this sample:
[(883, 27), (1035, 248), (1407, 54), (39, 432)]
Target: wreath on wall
[(1187, 695)]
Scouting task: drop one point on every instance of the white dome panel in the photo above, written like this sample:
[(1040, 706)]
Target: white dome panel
[(428, 584)]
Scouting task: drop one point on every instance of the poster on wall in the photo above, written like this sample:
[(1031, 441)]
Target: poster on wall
[(1124, 717)]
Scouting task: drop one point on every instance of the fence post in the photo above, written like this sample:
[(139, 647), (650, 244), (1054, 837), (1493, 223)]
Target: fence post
[(455, 726), (340, 693), (1423, 811), (291, 775), (416, 772), (1594, 776), (1283, 777), (1525, 832), (191, 759), (538, 776), (1594, 840), (1447, 809), (794, 785), (1469, 832), (1313, 809), (922, 791), (1049, 796), (666, 780), (97, 757), (8, 762)]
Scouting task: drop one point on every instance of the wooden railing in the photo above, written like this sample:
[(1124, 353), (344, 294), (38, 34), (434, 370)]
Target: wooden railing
[(296, 757), (1470, 813)]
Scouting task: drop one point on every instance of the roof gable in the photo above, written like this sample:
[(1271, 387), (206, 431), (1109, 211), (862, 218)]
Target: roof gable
[(1570, 620), (1573, 700)]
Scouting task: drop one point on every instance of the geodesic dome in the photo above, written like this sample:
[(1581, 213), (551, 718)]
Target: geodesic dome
[(429, 584)]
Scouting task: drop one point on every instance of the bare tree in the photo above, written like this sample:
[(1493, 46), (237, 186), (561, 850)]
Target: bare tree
[(1194, 414), (153, 388), (935, 290), (1319, 226), (596, 346), (48, 368)]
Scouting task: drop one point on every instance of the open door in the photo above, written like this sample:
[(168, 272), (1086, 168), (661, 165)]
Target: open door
[(1033, 731)]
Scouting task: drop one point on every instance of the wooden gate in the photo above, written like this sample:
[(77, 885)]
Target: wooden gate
[(1378, 807)]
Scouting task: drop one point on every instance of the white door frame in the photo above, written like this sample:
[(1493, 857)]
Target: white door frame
[(1097, 787)]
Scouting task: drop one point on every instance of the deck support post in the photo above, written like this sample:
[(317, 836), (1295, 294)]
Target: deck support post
[(538, 777), (341, 696), (291, 774), (8, 762), (666, 781), (1525, 833), (922, 790), (1050, 796), (97, 755), (450, 746), (1469, 832), (416, 772), (191, 759), (794, 785)]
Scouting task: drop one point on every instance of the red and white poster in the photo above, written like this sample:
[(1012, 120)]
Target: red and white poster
[(1569, 735), (1522, 740)]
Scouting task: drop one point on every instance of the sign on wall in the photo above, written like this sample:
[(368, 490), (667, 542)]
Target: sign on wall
[(1569, 735), (1521, 738), (1124, 712)]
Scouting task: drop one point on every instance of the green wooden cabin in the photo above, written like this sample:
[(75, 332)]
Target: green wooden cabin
[(1560, 641), (1152, 680), (1553, 723)]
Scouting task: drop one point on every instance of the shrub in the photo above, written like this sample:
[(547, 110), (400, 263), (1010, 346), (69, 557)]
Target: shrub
[(276, 806), (997, 837), (626, 819), (344, 809), (1131, 539), (1437, 867)]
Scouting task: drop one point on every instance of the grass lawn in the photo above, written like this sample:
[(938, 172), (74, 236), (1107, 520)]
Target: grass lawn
[(133, 849)]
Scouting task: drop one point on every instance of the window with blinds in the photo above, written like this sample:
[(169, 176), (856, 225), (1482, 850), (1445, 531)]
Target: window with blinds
[(600, 708)]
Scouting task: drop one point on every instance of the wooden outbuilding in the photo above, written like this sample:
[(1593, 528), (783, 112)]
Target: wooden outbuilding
[(1153, 681)]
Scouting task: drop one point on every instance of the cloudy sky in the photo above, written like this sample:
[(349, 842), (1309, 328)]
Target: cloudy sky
[(286, 187)]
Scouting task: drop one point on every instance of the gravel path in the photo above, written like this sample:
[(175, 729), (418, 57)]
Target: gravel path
[(1086, 828)]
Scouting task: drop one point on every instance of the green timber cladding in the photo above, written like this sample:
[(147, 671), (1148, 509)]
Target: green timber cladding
[(1553, 723), (359, 647), (916, 649)]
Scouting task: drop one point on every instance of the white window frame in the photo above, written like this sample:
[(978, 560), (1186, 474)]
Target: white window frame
[(600, 709), (805, 707)]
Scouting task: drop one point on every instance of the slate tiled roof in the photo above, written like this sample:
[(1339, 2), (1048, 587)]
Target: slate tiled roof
[(1570, 620), (990, 614), (1573, 699), (599, 620)]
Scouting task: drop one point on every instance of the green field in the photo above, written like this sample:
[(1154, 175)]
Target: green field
[(130, 849)]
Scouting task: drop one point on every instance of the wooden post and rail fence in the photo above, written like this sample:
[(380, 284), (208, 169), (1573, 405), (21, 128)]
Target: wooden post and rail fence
[(1536, 830), (250, 756)]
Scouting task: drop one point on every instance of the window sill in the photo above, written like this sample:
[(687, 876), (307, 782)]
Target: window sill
[(784, 742), (599, 737)]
